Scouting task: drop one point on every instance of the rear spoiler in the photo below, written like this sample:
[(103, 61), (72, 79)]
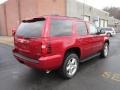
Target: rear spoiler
[(34, 20)]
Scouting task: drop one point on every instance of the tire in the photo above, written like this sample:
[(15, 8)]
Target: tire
[(105, 51), (70, 66)]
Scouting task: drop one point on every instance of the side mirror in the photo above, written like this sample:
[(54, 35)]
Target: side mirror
[(13, 31)]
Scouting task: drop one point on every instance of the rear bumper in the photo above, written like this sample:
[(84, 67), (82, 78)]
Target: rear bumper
[(43, 63)]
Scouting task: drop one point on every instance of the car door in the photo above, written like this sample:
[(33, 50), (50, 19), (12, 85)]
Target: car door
[(83, 39), (60, 35), (95, 38)]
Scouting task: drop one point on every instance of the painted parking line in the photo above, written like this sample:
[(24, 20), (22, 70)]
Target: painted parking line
[(112, 76)]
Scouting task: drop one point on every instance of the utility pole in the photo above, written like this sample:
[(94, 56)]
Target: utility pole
[(19, 10), (4, 8), (83, 8)]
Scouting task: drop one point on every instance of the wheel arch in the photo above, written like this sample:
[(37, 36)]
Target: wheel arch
[(75, 50), (107, 41)]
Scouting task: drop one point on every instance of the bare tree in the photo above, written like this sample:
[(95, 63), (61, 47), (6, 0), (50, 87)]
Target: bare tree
[(114, 11)]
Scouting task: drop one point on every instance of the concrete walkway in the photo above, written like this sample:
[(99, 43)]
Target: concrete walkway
[(6, 40)]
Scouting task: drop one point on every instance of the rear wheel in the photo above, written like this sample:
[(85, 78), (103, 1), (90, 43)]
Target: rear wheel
[(70, 66), (105, 51)]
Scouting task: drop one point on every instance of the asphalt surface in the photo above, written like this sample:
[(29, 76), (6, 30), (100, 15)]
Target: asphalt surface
[(16, 76)]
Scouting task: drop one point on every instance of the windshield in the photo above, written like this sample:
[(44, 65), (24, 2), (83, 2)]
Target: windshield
[(30, 29)]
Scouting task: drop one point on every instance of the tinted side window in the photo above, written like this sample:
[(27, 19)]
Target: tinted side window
[(93, 29), (81, 28), (61, 28)]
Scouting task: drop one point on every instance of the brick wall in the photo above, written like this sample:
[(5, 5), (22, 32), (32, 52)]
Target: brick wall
[(29, 8), (53, 7), (2, 21), (13, 11), (12, 16)]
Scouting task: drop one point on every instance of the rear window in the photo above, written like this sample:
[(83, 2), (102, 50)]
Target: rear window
[(61, 28), (30, 28)]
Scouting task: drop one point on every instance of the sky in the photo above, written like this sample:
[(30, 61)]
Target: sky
[(2, 1), (100, 4)]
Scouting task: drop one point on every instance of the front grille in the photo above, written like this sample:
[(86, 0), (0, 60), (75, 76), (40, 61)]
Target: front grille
[(26, 58)]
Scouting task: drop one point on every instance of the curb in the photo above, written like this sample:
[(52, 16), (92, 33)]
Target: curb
[(6, 40)]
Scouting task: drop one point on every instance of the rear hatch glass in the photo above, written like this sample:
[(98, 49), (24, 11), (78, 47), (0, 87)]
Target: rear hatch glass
[(28, 37), (31, 28)]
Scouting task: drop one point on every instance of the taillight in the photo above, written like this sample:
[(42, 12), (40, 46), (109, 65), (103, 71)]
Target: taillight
[(46, 48), (13, 31)]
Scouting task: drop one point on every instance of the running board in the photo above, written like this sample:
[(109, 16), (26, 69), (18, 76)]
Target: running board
[(86, 59)]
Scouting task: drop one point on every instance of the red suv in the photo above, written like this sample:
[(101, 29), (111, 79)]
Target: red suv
[(58, 43)]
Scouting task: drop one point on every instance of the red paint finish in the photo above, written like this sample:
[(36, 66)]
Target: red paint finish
[(49, 51)]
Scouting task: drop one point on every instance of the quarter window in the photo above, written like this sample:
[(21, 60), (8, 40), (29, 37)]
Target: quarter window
[(93, 29), (61, 28)]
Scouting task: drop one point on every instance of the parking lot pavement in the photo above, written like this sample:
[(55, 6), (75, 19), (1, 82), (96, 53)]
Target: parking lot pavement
[(96, 74)]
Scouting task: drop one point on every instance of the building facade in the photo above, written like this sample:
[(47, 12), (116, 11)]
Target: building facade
[(114, 23), (86, 12), (13, 11)]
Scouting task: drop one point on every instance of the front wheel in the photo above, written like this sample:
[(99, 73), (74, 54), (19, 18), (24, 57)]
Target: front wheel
[(70, 66), (105, 51)]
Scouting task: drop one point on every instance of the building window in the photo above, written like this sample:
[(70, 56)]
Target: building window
[(106, 23), (87, 18), (101, 23)]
